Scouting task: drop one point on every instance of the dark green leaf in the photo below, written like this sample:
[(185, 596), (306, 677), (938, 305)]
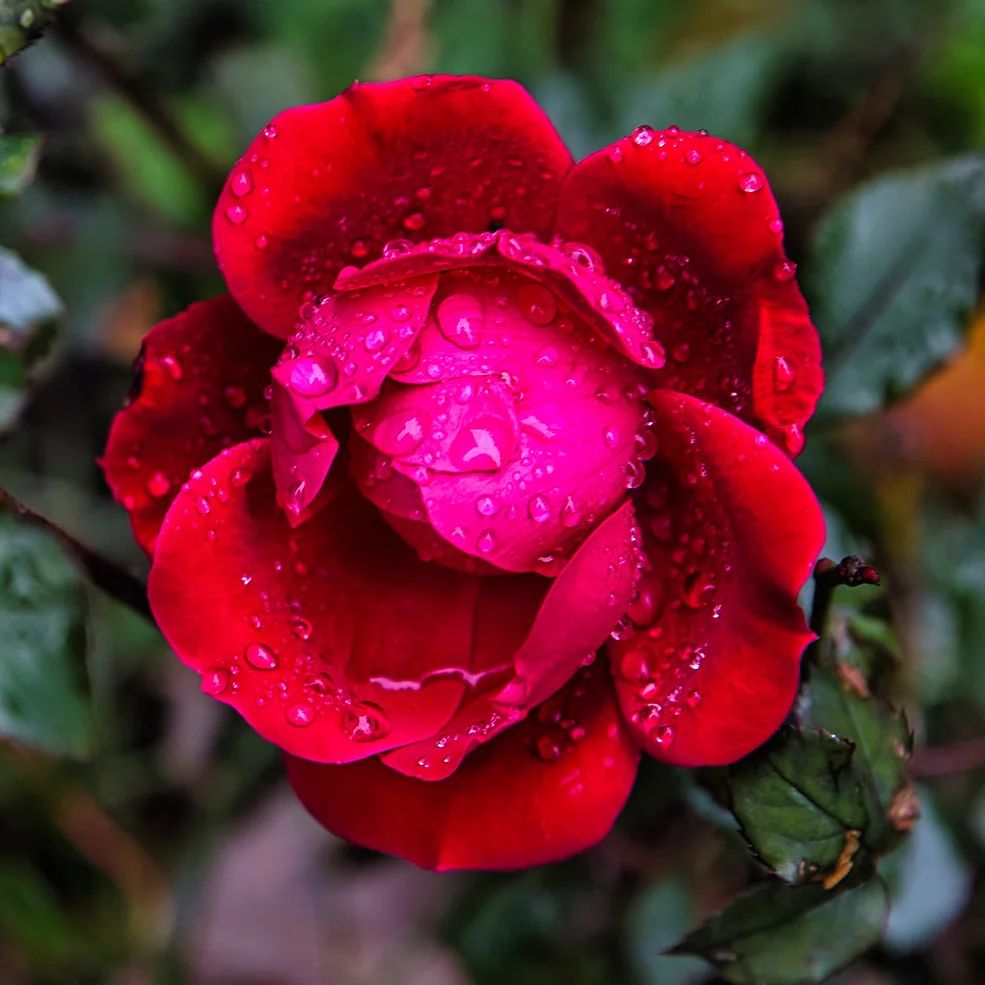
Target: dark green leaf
[(24, 21), (838, 703), (18, 161), (894, 278), (42, 611), (777, 935), (800, 804)]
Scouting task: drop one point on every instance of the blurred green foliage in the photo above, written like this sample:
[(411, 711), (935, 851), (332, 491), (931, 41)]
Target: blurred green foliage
[(869, 117)]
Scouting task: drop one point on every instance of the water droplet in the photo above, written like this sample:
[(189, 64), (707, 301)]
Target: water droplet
[(483, 444), (241, 183), (486, 506), (632, 666), (662, 735), (460, 320), (570, 514), (400, 312), (616, 154), (236, 214), (414, 221), (486, 542), (699, 588), (203, 506), (261, 241), (550, 747), (399, 434), (172, 367), (785, 271), (375, 340), (539, 509), (751, 181), (214, 681), (260, 657), (643, 136), (693, 156), (548, 357), (783, 374), (311, 377), (300, 716), (158, 485), (693, 699), (537, 304), (793, 439), (365, 721), (635, 473)]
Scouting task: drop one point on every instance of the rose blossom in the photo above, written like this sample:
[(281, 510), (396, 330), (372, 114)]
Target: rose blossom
[(478, 481)]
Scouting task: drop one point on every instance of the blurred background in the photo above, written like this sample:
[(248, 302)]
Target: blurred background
[(146, 834)]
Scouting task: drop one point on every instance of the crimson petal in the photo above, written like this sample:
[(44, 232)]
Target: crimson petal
[(304, 633), (538, 794), (328, 184), (688, 224), (199, 388), (731, 531), (581, 607)]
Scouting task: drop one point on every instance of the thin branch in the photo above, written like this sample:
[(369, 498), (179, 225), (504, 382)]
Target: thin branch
[(114, 580)]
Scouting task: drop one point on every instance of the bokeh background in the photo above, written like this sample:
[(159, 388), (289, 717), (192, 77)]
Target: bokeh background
[(164, 847)]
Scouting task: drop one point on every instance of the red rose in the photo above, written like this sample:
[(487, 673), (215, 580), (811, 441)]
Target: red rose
[(478, 483)]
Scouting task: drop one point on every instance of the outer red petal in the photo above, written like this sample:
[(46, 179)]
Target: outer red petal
[(198, 388), (328, 184), (688, 223), (731, 532), (537, 794), (575, 618), (335, 642)]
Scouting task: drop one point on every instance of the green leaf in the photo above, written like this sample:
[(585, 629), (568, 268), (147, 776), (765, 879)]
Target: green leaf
[(18, 162), (893, 281), (839, 703), (777, 935), (27, 306), (24, 21), (42, 611), (801, 805)]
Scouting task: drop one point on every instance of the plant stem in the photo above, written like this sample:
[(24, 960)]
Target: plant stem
[(115, 581)]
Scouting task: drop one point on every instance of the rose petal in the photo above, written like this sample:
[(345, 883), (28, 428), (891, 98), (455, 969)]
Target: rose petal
[(340, 355), (198, 388), (537, 794), (518, 458), (570, 270), (329, 184), (688, 223), (582, 605), (731, 532), (305, 633)]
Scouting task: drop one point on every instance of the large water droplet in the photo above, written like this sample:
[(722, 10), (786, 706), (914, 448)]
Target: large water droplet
[(260, 657), (214, 681), (482, 445), (241, 183), (158, 485), (365, 721), (751, 181), (460, 320), (486, 506), (300, 716), (539, 509), (783, 374), (486, 542), (537, 303), (311, 377)]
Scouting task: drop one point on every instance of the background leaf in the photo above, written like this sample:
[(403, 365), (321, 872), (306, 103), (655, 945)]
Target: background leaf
[(42, 670), (776, 935), (893, 279)]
